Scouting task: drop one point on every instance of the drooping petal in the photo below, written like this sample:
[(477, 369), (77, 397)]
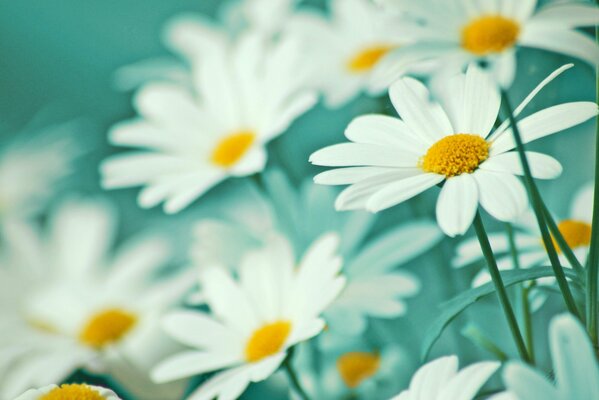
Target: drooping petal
[(457, 204)]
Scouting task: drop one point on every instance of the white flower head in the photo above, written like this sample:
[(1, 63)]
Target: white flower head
[(574, 363), (69, 391), (452, 143), (576, 230), (73, 304), (455, 33), (347, 45), (190, 139), (441, 380), (271, 307)]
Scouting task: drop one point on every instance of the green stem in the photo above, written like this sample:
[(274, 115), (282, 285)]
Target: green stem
[(563, 245), (593, 260), (533, 194), (526, 315), (478, 337), (499, 286), (293, 379)]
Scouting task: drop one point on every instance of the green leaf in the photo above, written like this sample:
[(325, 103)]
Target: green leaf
[(452, 308)]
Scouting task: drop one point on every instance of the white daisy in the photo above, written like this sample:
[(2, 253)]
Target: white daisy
[(256, 319), (456, 32), (32, 167), (267, 16), (393, 160), (68, 302), (347, 45), (72, 391), (376, 287), (574, 364), (441, 380), (576, 230), (191, 139)]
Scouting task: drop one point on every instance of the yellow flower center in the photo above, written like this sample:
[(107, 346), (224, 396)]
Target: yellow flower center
[(232, 148), (366, 59), (107, 327), (576, 233), (456, 154), (267, 340), (490, 34), (72, 392), (355, 367)]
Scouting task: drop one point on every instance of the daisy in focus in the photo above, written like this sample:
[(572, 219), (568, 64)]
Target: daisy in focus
[(451, 143), (254, 319), (455, 33), (69, 392), (348, 45), (32, 168), (574, 364), (190, 139), (441, 380), (576, 230), (68, 302), (376, 285)]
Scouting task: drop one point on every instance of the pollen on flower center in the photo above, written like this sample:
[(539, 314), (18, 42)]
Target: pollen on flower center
[(456, 154), (355, 367), (367, 58), (72, 392), (576, 233), (267, 340), (232, 148), (107, 327), (489, 34)]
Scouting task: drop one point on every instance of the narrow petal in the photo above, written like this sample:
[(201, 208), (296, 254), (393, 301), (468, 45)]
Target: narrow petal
[(542, 166), (362, 154), (568, 42), (457, 204), (566, 15), (349, 175), (528, 384), (401, 191), (481, 102), (466, 384), (189, 364), (501, 195)]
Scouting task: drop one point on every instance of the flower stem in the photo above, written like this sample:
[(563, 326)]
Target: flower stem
[(535, 199), (293, 379), (526, 317), (593, 260), (485, 246)]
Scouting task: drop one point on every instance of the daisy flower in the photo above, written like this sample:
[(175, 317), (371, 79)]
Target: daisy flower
[(455, 33), (452, 144), (576, 230), (267, 16), (190, 139), (31, 168), (348, 45), (73, 391), (69, 301), (574, 364), (441, 380), (376, 287), (271, 307)]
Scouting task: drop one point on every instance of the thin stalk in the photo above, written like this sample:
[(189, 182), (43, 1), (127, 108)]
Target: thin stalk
[(485, 246), (478, 337), (533, 194), (593, 260), (563, 245), (293, 379), (526, 315)]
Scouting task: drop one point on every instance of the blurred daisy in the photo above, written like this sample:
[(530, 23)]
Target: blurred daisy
[(375, 287), (256, 319), (441, 380), (575, 229), (72, 391), (356, 372), (31, 169), (454, 145), (456, 33), (71, 303), (574, 364), (192, 139), (266, 16), (348, 45)]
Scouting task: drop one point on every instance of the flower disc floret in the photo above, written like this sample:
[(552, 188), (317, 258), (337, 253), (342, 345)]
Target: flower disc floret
[(455, 155)]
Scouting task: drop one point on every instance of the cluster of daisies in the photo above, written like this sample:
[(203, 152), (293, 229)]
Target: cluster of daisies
[(283, 286)]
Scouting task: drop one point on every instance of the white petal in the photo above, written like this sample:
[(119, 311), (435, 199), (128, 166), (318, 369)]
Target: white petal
[(430, 378), (481, 102), (501, 195), (568, 42), (190, 363), (527, 384), (457, 204), (402, 190), (466, 384), (361, 154), (199, 330), (542, 166), (582, 205), (567, 15), (349, 175), (167, 104)]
